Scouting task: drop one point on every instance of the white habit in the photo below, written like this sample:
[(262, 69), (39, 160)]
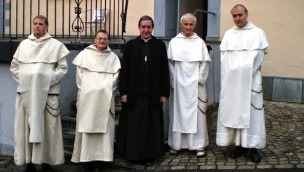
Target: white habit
[(38, 66), (241, 114), (96, 77), (189, 67)]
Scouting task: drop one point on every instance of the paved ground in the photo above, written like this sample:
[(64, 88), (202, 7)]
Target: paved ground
[(284, 150)]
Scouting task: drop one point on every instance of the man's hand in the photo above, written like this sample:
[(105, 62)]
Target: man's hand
[(124, 98), (163, 99)]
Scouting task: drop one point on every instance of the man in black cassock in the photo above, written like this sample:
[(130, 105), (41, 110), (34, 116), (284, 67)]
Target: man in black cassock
[(144, 87)]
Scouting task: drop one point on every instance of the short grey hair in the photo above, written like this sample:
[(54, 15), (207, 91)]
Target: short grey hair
[(188, 16)]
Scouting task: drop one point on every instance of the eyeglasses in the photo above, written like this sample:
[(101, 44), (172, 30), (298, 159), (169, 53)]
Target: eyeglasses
[(100, 38)]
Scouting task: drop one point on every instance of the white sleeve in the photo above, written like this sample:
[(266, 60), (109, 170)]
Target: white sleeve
[(15, 69), (61, 69), (115, 80), (203, 72)]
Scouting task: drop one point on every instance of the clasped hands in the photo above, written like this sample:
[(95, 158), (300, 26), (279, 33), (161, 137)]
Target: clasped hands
[(124, 99)]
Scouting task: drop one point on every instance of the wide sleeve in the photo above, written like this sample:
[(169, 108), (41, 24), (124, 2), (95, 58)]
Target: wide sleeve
[(79, 72), (115, 80), (15, 69), (171, 66), (171, 70), (258, 61), (61, 68), (165, 84), (124, 71), (203, 72), (204, 68)]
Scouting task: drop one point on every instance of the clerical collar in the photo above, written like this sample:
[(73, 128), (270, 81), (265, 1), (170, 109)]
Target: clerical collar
[(146, 40)]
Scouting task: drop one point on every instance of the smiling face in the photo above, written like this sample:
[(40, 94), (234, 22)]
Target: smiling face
[(187, 25), (39, 27), (239, 16), (145, 28), (101, 40)]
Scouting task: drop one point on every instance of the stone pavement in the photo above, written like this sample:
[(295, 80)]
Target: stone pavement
[(284, 150)]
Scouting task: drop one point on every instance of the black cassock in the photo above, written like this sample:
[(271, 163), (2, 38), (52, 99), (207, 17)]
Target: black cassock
[(144, 78)]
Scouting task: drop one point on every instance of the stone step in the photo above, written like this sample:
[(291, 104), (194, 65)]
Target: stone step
[(68, 150), (68, 121), (68, 133)]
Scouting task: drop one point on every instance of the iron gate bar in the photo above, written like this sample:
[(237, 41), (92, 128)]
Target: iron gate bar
[(17, 18)]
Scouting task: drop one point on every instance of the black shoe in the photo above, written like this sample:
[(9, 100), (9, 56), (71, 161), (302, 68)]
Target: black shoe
[(46, 167), (237, 152), (150, 162), (30, 168), (89, 166), (254, 155)]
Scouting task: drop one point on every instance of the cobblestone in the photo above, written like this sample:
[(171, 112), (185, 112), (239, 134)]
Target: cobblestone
[(284, 149)]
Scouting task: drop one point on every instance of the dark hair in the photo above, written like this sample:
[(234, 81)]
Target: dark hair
[(146, 17), (102, 31), (240, 5), (42, 17)]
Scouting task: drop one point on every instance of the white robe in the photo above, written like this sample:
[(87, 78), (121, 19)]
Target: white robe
[(189, 67), (38, 66), (97, 74), (241, 113)]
